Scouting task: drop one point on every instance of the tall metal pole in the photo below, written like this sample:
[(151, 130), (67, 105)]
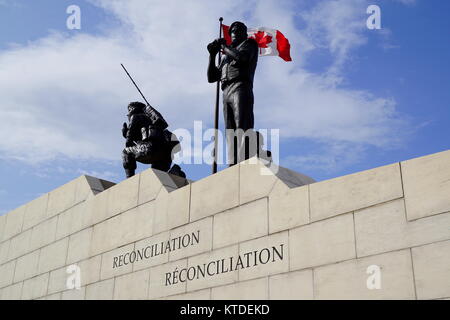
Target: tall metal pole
[(216, 113)]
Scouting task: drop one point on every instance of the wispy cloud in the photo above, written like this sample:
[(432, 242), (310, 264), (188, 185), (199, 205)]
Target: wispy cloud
[(105, 175), (327, 159)]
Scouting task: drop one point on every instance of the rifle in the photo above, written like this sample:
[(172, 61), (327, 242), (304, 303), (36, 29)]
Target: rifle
[(135, 84), (154, 115)]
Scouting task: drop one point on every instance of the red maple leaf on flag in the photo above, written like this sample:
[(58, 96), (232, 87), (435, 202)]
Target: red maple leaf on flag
[(262, 39), (263, 36)]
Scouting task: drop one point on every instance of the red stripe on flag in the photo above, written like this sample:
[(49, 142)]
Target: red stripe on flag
[(283, 47), (226, 35)]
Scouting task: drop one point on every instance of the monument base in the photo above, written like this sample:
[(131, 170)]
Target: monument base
[(247, 232)]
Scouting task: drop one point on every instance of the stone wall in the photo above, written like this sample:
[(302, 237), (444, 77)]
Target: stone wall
[(247, 232)]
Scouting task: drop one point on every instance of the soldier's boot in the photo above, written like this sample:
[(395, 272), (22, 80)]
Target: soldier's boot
[(129, 172), (176, 170)]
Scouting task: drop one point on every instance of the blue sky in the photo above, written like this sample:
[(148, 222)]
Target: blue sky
[(352, 99)]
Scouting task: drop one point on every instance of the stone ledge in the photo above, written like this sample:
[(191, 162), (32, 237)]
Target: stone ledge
[(426, 181), (325, 228)]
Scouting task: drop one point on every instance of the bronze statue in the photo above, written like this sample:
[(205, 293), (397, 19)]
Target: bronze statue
[(236, 71), (148, 141)]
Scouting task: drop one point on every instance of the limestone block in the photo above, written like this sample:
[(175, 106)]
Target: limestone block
[(81, 216), (272, 256), (27, 266), (246, 222), (426, 181), (20, 245), (64, 224), (348, 280), (90, 270), (56, 296), (384, 228), (160, 215), (356, 191), (35, 287), (2, 226), (97, 207), (288, 208), (44, 233), (141, 222), (102, 290), (35, 212), (123, 196), (105, 235), (246, 290), (4, 248), (432, 270), (13, 292), (7, 273), (292, 286), (53, 256), (178, 207), (133, 286), (79, 245), (152, 256), (138, 223), (202, 229), (215, 193), (127, 227), (158, 277), (110, 269), (57, 281), (322, 242), (196, 295), (74, 294), (14, 222), (150, 184), (62, 198), (215, 280), (255, 180)]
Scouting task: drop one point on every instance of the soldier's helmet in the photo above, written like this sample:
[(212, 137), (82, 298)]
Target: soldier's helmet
[(239, 25), (136, 107)]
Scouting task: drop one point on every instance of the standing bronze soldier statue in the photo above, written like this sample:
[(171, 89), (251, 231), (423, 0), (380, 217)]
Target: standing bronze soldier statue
[(236, 71), (148, 141)]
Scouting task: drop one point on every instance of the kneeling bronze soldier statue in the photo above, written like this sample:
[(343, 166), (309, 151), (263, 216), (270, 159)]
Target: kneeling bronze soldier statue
[(148, 141)]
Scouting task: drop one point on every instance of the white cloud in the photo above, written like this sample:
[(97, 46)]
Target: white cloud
[(66, 95), (328, 159), (337, 26), (105, 175)]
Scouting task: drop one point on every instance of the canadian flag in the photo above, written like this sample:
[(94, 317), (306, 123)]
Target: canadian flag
[(271, 42)]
